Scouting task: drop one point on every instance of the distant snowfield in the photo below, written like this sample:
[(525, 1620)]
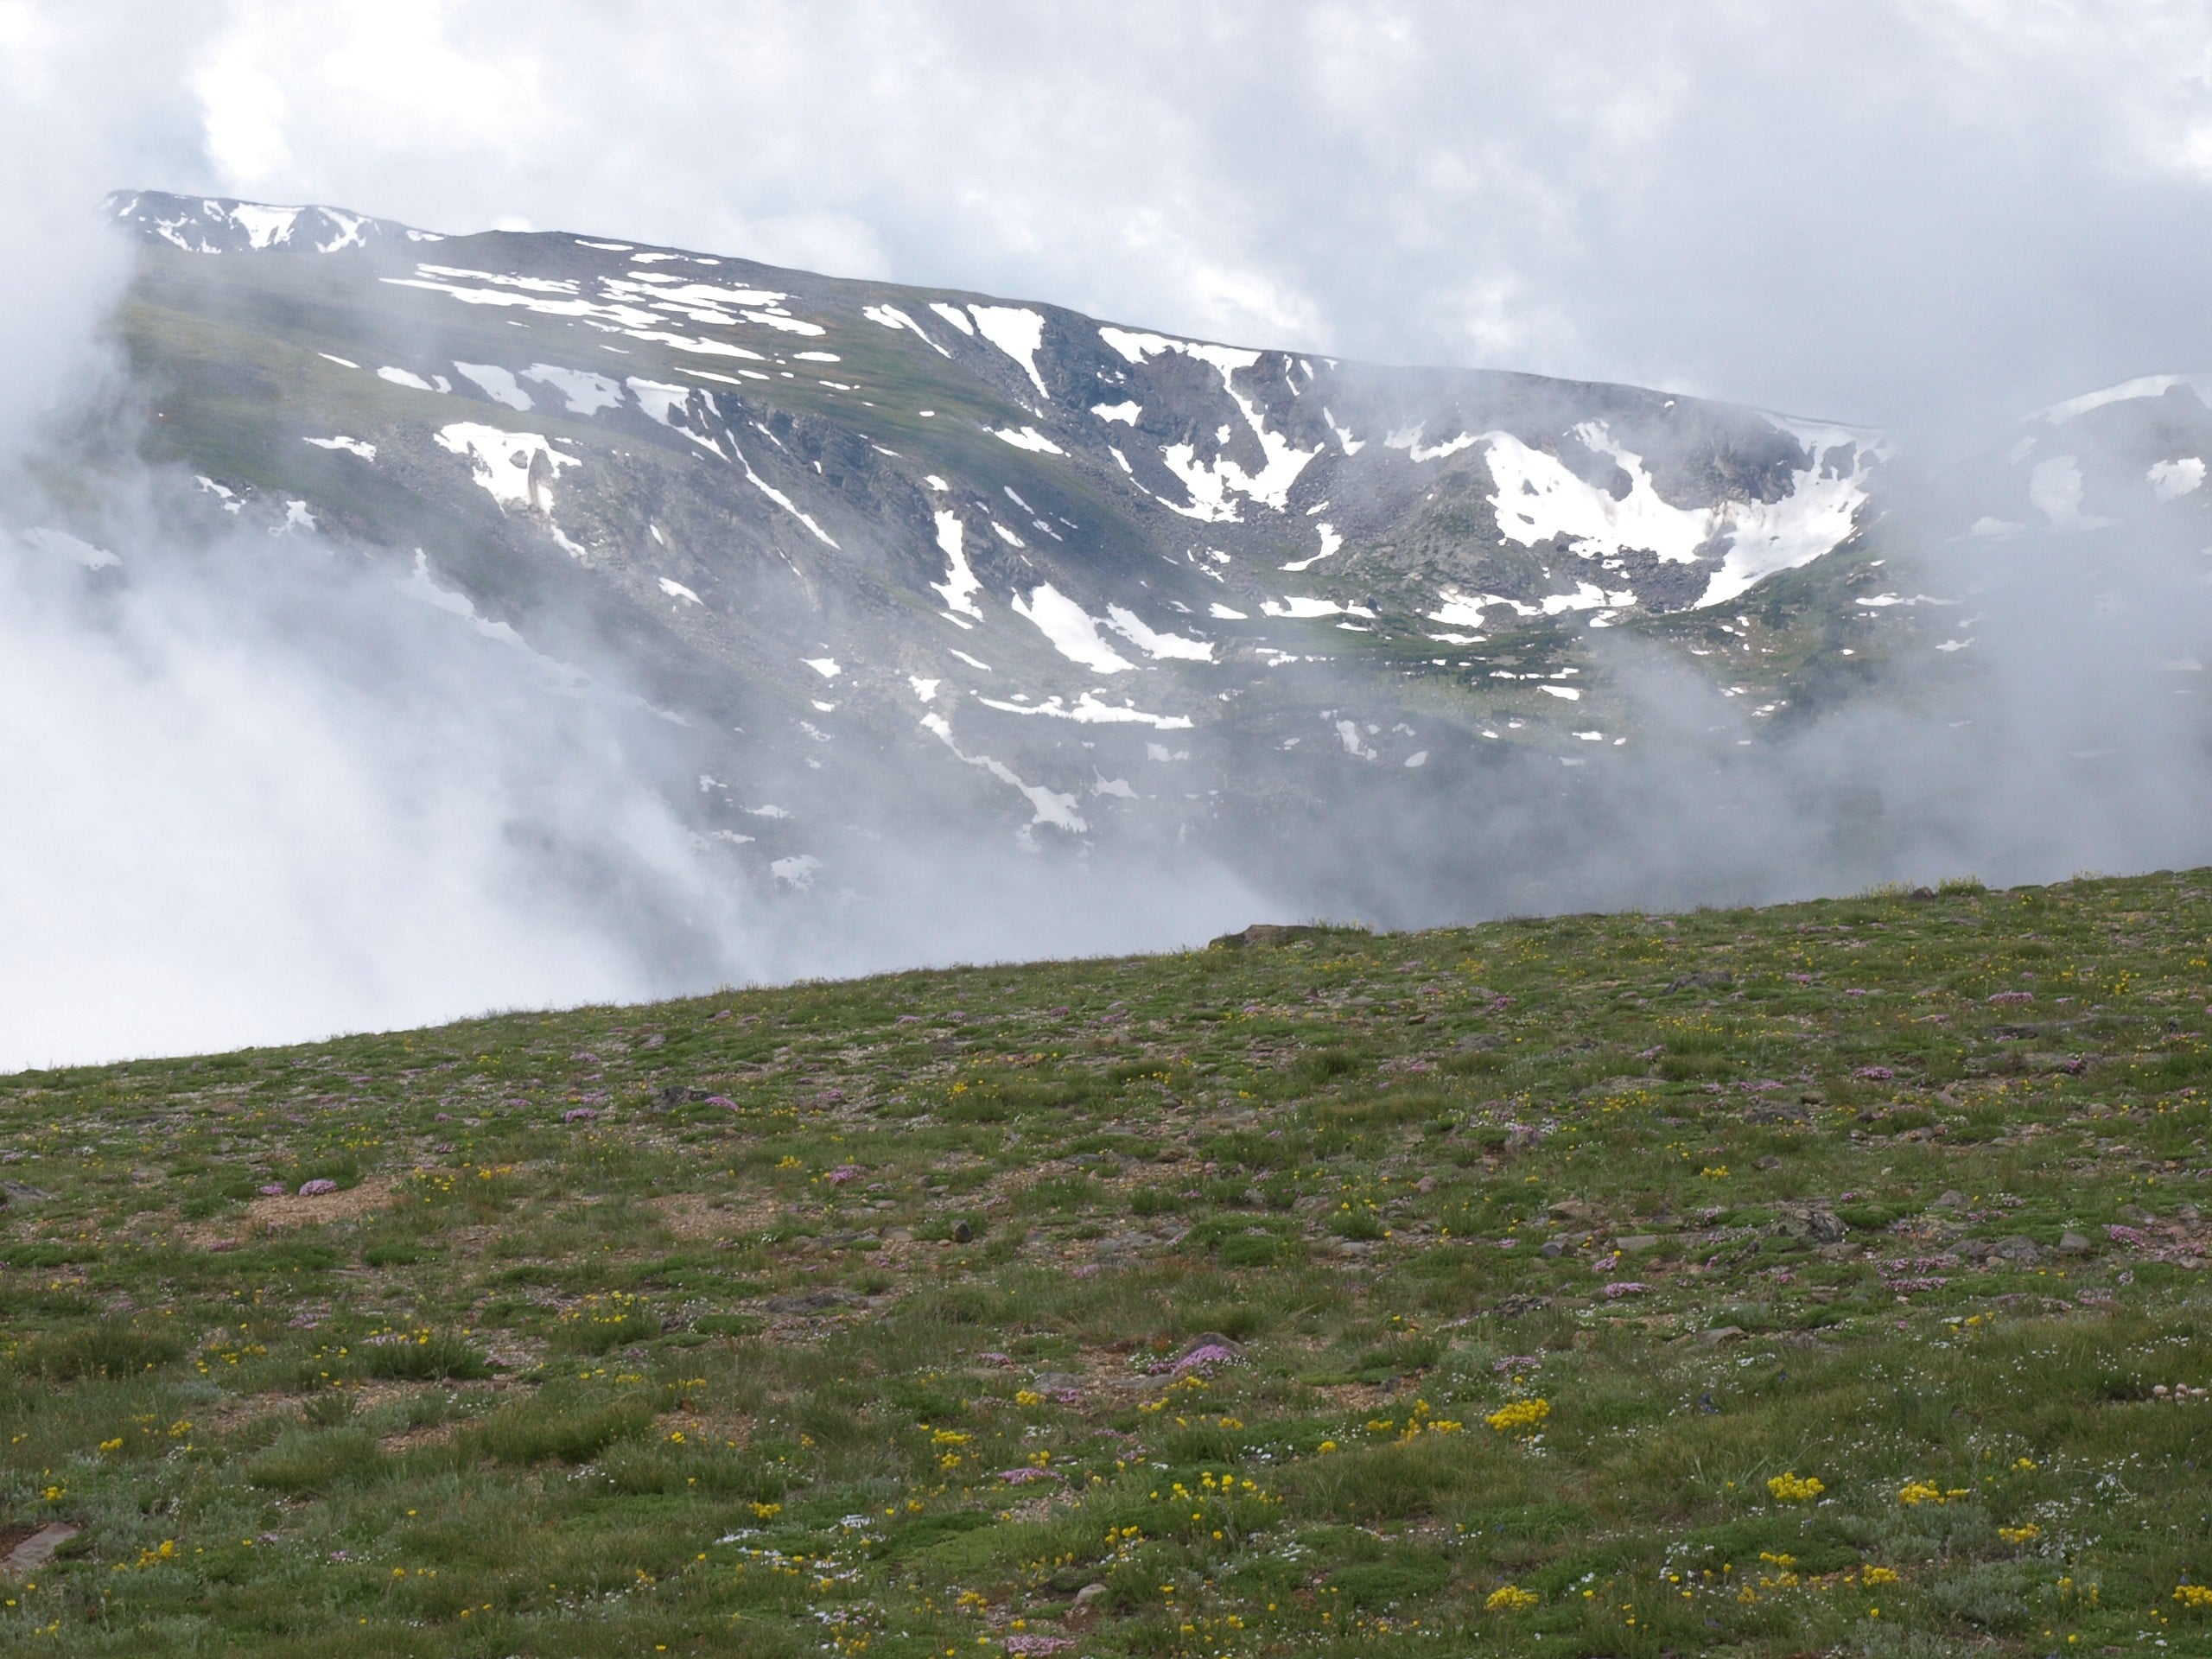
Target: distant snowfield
[(2147, 386), (641, 306), (1539, 499), (1048, 807)]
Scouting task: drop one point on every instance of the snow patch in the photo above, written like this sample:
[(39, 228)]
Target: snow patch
[(422, 588), (264, 226), (663, 403), (404, 378), (1299, 608), (891, 317), (2054, 491), (954, 315), (1072, 632), (586, 392), (1016, 331), (1816, 517), (1050, 808), (1539, 499), (2146, 385), (1027, 438), (49, 540), (2171, 479), (1160, 647), (1126, 413), (789, 324), (827, 667), (1209, 484), (684, 343), (1090, 711), (1409, 441), (961, 584), (495, 383), (229, 498), (777, 496), (676, 590), (507, 464), (1329, 543), (351, 446)]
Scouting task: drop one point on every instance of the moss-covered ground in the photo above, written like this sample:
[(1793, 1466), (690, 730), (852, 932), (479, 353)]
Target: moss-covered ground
[(1827, 1278)]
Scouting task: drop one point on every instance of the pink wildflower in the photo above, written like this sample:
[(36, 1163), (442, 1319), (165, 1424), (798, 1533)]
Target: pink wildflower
[(317, 1187), (1204, 1357)]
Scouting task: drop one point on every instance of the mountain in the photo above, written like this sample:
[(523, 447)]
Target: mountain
[(1087, 584)]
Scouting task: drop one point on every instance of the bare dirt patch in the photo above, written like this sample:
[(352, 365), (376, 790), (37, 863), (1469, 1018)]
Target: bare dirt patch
[(690, 1216), (408, 1439), (273, 1214), (264, 1217)]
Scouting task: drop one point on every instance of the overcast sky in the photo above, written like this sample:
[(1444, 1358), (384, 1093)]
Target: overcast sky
[(1883, 211)]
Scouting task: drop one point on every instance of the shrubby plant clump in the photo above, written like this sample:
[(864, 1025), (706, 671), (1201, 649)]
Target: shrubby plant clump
[(1825, 1278)]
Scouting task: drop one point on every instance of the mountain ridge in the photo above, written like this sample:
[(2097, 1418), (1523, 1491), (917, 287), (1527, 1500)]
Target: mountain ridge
[(832, 493)]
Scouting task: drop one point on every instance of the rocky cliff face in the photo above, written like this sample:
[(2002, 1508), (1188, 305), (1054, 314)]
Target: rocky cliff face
[(896, 556)]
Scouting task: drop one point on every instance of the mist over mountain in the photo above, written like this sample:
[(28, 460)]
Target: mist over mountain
[(590, 619)]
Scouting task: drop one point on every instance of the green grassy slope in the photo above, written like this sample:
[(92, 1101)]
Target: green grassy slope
[(1812, 1278)]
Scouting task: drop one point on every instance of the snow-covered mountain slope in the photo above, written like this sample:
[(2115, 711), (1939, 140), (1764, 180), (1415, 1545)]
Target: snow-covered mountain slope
[(1084, 580), (2117, 455)]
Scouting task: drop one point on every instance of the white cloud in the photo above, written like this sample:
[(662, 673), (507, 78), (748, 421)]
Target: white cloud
[(1839, 208)]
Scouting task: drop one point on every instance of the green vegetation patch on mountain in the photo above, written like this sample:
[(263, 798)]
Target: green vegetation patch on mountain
[(1822, 1278)]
